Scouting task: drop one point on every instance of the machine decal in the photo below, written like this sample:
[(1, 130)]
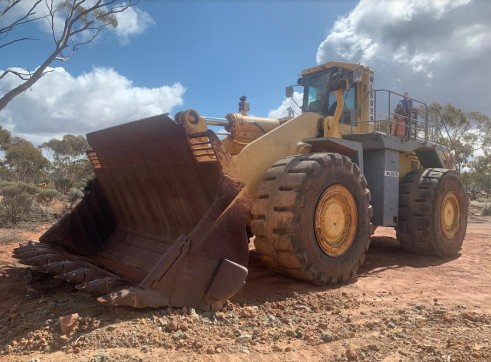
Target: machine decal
[(391, 173), (371, 107)]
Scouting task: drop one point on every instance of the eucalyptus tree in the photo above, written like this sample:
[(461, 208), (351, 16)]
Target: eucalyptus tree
[(72, 24)]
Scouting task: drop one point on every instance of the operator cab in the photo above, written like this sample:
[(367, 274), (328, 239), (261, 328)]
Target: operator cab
[(319, 98), (319, 83)]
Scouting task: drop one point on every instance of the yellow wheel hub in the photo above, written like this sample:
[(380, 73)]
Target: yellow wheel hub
[(336, 220), (450, 215)]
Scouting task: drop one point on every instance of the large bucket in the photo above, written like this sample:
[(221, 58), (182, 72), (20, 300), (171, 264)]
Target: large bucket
[(164, 223)]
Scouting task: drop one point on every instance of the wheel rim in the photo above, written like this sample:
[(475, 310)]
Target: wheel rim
[(336, 220), (450, 215)]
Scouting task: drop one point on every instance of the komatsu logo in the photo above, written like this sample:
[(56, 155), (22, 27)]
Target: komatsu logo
[(391, 173)]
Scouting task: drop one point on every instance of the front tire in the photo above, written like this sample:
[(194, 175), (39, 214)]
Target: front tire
[(311, 217), (432, 212)]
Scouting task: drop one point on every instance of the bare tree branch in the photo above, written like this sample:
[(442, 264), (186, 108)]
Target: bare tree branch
[(16, 40), (27, 18), (83, 22), (21, 75), (9, 7)]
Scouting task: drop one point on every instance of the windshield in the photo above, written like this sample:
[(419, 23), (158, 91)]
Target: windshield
[(318, 98), (315, 92)]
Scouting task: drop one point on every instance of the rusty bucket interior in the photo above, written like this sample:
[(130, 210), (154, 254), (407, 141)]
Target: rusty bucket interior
[(160, 226)]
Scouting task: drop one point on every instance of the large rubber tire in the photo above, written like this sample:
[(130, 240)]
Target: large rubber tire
[(286, 217), (432, 212)]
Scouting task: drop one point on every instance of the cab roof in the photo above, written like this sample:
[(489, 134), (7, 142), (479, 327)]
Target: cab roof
[(332, 64)]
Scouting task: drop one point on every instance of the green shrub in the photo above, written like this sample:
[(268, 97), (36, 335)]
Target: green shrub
[(63, 185), (16, 203), (487, 210), (46, 196), (31, 189), (21, 186), (73, 196)]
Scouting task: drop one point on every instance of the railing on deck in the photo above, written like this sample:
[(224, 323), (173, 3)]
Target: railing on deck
[(422, 125)]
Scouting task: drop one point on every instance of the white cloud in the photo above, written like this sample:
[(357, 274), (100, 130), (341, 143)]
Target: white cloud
[(439, 49), (60, 103), (132, 21), (282, 110)]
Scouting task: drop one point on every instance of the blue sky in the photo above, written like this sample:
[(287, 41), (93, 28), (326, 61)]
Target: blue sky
[(220, 50), (204, 55), (224, 49)]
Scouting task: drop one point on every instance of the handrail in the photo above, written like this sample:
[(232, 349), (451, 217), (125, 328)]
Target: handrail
[(421, 129)]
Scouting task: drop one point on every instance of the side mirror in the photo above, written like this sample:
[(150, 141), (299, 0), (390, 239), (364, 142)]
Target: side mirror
[(289, 91)]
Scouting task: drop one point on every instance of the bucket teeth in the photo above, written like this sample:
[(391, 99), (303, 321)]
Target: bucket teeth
[(58, 267), (102, 286), (42, 260), (136, 297), (31, 243), (81, 275), (31, 250), (31, 253)]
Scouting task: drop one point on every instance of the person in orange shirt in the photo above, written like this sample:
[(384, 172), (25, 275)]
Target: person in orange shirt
[(398, 126)]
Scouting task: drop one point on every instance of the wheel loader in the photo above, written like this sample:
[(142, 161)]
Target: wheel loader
[(174, 204)]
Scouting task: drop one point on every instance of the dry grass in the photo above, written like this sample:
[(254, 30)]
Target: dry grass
[(9, 236)]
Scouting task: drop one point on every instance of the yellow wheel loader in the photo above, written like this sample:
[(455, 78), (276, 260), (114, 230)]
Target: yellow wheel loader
[(168, 219)]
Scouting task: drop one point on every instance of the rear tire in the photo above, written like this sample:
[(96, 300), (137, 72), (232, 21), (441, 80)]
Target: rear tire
[(312, 218), (432, 212)]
